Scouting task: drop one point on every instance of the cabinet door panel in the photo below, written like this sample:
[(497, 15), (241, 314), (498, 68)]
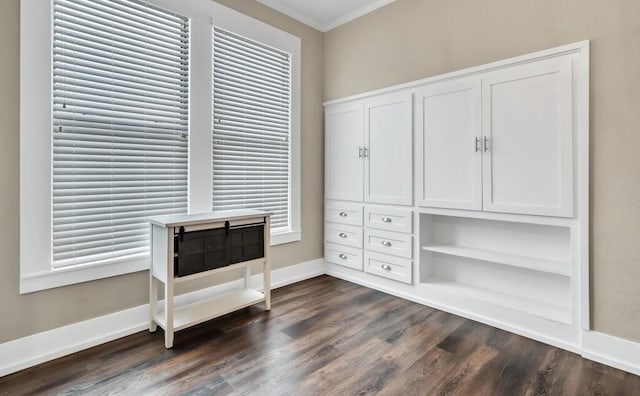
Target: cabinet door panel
[(344, 136), (389, 165), (448, 134), (528, 163)]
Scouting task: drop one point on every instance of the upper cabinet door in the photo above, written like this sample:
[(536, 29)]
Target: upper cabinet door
[(389, 143), (448, 134), (527, 124), (344, 149)]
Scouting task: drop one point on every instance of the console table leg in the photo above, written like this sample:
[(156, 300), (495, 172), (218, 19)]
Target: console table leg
[(267, 285), (153, 302), (168, 314), (247, 277)]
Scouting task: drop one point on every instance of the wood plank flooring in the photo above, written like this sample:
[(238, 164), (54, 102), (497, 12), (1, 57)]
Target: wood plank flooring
[(326, 336)]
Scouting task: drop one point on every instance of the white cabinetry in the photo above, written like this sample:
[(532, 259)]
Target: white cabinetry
[(343, 234), (499, 141), (389, 149), (369, 150), (344, 142), (527, 117), (448, 122), (369, 158), (497, 228), (388, 242)]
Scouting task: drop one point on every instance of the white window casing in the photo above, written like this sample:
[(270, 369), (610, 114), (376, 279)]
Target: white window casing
[(43, 186)]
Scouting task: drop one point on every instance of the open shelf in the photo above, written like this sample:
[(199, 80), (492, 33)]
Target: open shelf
[(201, 311), (474, 295), (533, 263)]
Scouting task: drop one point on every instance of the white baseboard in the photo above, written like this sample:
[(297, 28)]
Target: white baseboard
[(612, 351), (29, 351)]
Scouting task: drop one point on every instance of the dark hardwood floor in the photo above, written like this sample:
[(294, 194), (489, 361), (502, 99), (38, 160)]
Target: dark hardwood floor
[(326, 336)]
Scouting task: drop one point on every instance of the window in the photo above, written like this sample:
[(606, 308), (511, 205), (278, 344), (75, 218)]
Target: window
[(251, 127), (117, 124), (120, 127)]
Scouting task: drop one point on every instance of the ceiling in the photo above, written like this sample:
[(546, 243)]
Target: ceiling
[(326, 14)]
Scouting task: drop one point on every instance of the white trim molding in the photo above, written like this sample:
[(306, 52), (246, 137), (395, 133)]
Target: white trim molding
[(318, 23), (41, 347), (612, 351)]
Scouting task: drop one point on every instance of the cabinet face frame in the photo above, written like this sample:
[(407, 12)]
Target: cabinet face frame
[(466, 146), (388, 165), (344, 141), (519, 165)]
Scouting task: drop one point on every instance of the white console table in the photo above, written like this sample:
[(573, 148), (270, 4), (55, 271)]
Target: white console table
[(164, 230)]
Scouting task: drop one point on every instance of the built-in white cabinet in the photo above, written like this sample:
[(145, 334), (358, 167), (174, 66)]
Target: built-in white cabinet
[(449, 136), (389, 149), (344, 145), (370, 151), (369, 159), (499, 141), (468, 192), (527, 149)]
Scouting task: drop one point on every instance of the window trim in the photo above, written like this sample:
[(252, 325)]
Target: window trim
[(36, 28)]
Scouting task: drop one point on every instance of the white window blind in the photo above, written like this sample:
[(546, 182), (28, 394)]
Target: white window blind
[(120, 124), (252, 126)]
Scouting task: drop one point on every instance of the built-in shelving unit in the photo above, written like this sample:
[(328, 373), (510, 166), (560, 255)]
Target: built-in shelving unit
[(498, 227), (520, 266)]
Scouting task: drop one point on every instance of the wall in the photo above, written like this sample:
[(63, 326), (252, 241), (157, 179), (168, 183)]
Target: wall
[(23, 315), (413, 39)]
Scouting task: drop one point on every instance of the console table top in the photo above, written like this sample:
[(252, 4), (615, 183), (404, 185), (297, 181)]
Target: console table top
[(202, 218)]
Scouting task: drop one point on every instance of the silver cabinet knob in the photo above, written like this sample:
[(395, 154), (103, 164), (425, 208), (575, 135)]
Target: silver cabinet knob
[(342, 235), (386, 267), (343, 214), (386, 243), (343, 256), (386, 220)]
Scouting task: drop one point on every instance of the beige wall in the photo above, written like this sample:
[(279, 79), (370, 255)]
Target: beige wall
[(413, 39), (22, 315)]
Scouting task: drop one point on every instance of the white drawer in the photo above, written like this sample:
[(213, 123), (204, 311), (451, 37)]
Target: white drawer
[(343, 234), (343, 212), (389, 219), (343, 255), (389, 242), (388, 266)]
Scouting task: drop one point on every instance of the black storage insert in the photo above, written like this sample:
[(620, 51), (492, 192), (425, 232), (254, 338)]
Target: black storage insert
[(199, 251)]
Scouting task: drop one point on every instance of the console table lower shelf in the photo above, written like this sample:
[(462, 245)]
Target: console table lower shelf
[(201, 311)]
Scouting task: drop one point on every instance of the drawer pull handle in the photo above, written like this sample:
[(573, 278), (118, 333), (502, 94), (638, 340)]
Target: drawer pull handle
[(342, 235), (343, 214), (386, 220), (386, 267), (386, 243), (342, 256)]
